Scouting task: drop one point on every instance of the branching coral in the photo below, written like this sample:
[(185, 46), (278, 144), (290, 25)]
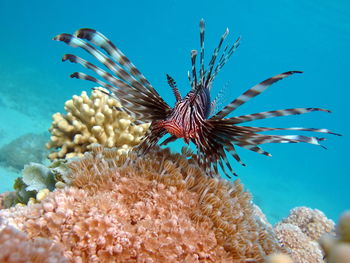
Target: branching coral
[(300, 231), (162, 208), (89, 120)]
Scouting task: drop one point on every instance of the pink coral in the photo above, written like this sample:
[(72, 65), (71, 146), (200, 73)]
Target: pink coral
[(16, 247), (162, 208)]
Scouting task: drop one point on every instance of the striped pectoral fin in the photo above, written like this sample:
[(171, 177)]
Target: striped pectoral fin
[(153, 135), (213, 58), (172, 138), (103, 42), (141, 93), (201, 36), (225, 57), (250, 145), (271, 114), (301, 138), (120, 87), (193, 69), (172, 84), (263, 139), (137, 82), (231, 149), (251, 93), (81, 75), (228, 165), (126, 87), (262, 129)]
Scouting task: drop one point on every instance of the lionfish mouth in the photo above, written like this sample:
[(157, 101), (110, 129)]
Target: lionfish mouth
[(215, 136)]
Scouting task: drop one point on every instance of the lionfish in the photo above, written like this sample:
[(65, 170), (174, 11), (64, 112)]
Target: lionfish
[(192, 117)]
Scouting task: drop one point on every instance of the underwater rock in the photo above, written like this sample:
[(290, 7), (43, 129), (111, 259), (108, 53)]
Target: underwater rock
[(90, 120), (27, 148)]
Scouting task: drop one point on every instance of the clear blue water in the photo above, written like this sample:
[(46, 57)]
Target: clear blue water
[(277, 36)]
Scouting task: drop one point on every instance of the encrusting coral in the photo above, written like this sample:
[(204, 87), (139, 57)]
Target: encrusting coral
[(300, 231), (91, 120), (337, 248), (158, 208)]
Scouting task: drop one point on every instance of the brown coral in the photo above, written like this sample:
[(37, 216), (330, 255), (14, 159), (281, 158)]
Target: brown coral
[(162, 208), (16, 247), (91, 120)]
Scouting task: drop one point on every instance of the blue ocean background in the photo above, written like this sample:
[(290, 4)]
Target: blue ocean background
[(277, 36)]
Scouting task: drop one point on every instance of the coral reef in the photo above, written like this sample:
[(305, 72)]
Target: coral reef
[(26, 148), (89, 120), (16, 247), (158, 208), (337, 248), (300, 231)]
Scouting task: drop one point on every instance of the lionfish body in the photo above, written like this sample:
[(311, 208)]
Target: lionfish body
[(192, 117)]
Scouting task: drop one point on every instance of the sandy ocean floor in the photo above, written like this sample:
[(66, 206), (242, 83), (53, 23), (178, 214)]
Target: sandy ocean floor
[(17, 124)]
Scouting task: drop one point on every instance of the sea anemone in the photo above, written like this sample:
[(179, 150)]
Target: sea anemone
[(158, 208)]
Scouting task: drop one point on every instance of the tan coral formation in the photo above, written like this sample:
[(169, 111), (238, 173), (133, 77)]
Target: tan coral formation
[(300, 231), (279, 258), (337, 248), (89, 120), (16, 247), (162, 208)]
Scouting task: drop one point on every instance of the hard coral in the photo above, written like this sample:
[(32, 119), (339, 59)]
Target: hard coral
[(300, 231), (312, 222), (337, 248), (299, 246), (89, 120), (158, 208)]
